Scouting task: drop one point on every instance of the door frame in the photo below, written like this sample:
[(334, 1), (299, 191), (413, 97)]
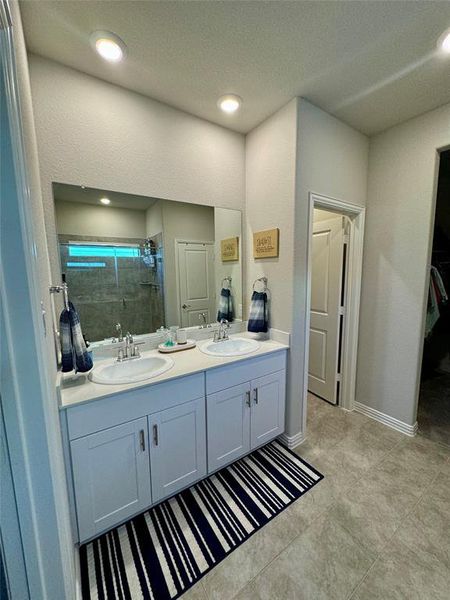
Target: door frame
[(356, 215), (177, 267)]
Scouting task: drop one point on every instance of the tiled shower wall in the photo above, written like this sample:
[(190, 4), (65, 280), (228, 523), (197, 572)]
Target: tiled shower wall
[(125, 290)]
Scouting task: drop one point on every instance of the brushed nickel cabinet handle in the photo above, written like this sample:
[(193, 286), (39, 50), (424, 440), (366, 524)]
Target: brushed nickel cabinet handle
[(248, 401), (155, 434), (142, 439)]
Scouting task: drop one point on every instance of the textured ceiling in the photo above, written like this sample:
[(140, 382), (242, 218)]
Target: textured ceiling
[(371, 63)]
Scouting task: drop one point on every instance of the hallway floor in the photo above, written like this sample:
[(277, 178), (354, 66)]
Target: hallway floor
[(434, 408), (376, 528)]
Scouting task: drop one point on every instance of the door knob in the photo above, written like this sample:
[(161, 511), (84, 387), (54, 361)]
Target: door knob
[(186, 306)]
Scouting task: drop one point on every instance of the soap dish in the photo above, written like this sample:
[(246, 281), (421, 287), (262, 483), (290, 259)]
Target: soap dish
[(177, 347)]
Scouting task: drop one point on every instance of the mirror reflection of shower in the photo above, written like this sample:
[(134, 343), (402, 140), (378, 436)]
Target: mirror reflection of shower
[(114, 281)]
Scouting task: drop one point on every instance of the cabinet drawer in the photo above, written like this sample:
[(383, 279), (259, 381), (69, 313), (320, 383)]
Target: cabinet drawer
[(113, 410), (237, 373)]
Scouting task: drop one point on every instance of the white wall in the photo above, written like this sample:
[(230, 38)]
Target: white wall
[(300, 149), (332, 160), (227, 224), (322, 215), (270, 196), (399, 220), (153, 219), (100, 135), (77, 218)]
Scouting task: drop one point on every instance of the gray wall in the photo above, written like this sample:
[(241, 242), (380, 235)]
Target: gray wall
[(99, 221), (184, 222), (400, 216)]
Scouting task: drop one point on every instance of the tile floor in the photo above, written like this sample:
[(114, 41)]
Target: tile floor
[(376, 528), (434, 407)]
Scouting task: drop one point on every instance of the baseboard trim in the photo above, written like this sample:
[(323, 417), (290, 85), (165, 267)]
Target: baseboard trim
[(292, 441), (410, 430)]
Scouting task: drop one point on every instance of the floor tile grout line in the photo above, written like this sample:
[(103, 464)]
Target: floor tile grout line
[(313, 520), (401, 522), (363, 475)]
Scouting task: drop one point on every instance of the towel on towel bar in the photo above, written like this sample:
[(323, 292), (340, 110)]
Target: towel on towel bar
[(73, 348), (258, 320), (225, 306)]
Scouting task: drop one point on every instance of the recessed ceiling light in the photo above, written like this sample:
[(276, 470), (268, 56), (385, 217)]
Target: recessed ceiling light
[(444, 42), (108, 45), (105, 200), (229, 103)]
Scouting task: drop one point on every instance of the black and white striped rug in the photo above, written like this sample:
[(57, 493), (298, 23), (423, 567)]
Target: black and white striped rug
[(161, 553)]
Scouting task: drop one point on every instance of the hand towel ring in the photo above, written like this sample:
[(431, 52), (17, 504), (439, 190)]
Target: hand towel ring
[(56, 289), (226, 281), (263, 281)]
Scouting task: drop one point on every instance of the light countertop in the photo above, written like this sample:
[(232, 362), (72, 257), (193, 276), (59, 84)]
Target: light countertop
[(76, 389)]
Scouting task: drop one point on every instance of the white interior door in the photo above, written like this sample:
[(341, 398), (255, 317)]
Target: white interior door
[(196, 282), (326, 284)]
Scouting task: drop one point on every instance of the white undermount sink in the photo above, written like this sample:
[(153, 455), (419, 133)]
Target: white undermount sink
[(231, 347), (130, 371)]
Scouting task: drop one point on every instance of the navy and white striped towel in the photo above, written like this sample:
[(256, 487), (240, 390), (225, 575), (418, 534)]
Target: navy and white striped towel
[(258, 320), (73, 348)]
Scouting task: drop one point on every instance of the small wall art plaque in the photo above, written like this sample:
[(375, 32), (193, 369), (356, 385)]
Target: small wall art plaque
[(266, 243), (230, 249)]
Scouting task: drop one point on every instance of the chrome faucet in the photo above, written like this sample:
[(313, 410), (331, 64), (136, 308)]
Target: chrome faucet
[(128, 344), (119, 331), (129, 350), (221, 334)]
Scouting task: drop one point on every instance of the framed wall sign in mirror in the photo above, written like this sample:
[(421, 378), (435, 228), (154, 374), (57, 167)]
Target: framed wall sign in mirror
[(144, 262)]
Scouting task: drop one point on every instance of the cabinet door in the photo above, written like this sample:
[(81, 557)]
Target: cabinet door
[(228, 425), (268, 402), (178, 447), (111, 474)]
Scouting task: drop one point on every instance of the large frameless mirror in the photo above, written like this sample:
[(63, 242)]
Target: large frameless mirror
[(146, 262)]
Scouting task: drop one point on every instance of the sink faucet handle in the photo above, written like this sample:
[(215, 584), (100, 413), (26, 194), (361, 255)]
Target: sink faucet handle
[(119, 331), (135, 352)]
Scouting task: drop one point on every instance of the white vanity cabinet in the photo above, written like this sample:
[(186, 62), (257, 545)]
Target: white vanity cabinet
[(111, 476), (267, 408), (178, 448), (228, 425), (133, 448), (244, 416), (130, 450)]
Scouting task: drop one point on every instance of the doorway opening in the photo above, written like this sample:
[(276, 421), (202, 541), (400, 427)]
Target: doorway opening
[(329, 266), (434, 396), (336, 231)]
